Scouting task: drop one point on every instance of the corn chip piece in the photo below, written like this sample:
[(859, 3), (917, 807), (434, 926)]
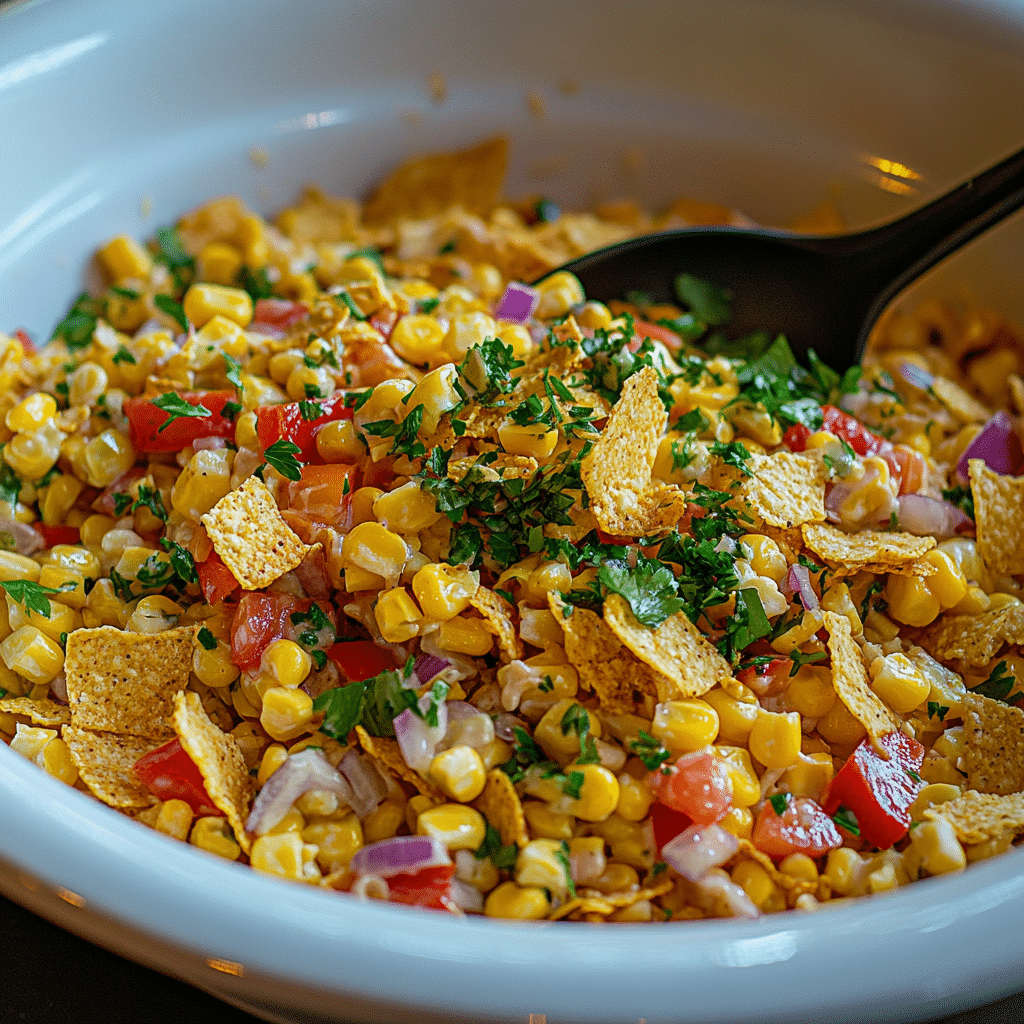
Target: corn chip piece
[(125, 682), (686, 663), (617, 472), (592, 901), (870, 550), (499, 466), (627, 897), (429, 185), (582, 905), (999, 513), (786, 489), (105, 760), (497, 613), (850, 680), (959, 403), (583, 522), (45, 712), (793, 887), (977, 817), (972, 641), (605, 666), (499, 803), (993, 752), (251, 536), (387, 751), (219, 760)]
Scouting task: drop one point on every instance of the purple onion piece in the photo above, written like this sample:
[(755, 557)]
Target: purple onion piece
[(518, 303), (368, 788), (997, 445), (465, 897), (798, 580), (427, 666), (698, 849), (929, 517), (505, 725), (302, 772), (400, 855), (417, 740)]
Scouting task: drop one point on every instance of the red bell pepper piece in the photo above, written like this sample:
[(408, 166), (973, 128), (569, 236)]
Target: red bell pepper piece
[(57, 534), (803, 827), (877, 791), (274, 422), (146, 420), (215, 579), (276, 315), (428, 887), (170, 774), (360, 659)]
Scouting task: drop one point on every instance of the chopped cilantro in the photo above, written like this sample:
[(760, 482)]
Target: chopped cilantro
[(800, 659), (10, 483), (747, 624), (310, 411), (173, 309), (649, 588), (694, 420), (181, 560), (649, 750), (176, 407), (779, 802), (122, 355), (732, 454), (577, 720), (937, 710), (866, 605), (155, 573), (502, 857), (256, 282), (172, 253), (350, 305), (562, 856), (999, 684), (962, 497), (342, 708), (34, 595), (572, 785), (486, 372), (233, 370), (405, 433), (711, 304), (149, 497), (846, 819), (281, 455), (76, 329), (207, 639), (122, 503)]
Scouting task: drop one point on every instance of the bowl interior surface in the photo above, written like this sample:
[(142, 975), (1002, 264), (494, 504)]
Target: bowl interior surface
[(126, 116)]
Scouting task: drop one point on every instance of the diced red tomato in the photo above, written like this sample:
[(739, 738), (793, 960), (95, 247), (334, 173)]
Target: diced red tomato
[(877, 791), (360, 659), (215, 579), (26, 341), (276, 314), (697, 784), (667, 823), (274, 422), (106, 502), (379, 474), (429, 887), (852, 431), (170, 774), (645, 329), (796, 437), (324, 493), (768, 679), (803, 827), (607, 538), (260, 619), (907, 466), (58, 534), (146, 420)]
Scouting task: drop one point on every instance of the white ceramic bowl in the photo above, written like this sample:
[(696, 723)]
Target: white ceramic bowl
[(118, 116)]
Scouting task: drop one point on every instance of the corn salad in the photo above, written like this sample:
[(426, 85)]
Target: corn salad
[(555, 642)]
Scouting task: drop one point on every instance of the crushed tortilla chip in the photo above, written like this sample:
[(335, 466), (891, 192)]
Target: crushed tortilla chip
[(993, 750), (125, 682), (251, 536), (686, 663), (105, 760), (387, 751), (850, 680), (497, 614), (972, 641), (502, 467), (47, 713), (978, 817), (617, 472), (499, 803), (591, 901), (429, 185), (793, 887), (786, 489), (961, 405), (999, 513), (219, 760), (604, 664), (869, 550), (583, 905)]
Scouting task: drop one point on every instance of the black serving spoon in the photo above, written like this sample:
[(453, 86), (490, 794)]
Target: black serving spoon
[(821, 292)]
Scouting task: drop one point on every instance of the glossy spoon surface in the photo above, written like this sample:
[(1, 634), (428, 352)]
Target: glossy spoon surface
[(821, 292)]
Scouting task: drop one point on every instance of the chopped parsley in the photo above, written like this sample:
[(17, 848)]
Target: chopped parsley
[(502, 856), (962, 497), (34, 595), (649, 750), (281, 455), (149, 497), (577, 720), (176, 408), (172, 253), (999, 684), (747, 624), (182, 562), (800, 659), (779, 802), (937, 710), (650, 588), (404, 432), (732, 454), (233, 370), (122, 355), (76, 329), (256, 283), (207, 639), (846, 819), (173, 309)]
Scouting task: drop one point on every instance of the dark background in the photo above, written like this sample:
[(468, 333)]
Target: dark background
[(50, 977)]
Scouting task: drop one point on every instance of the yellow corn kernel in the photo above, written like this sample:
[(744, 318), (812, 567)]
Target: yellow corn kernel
[(545, 864), (775, 739), (93, 529), (55, 760), (463, 635), (339, 441), (900, 683), (219, 263), (357, 579), (558, 294), (809, 624), (616, 878), (123, 257), (531, 439), (974, 602), (417, 338), (56, 577), (203, 482), (376, 549), (154, 614), (539, 627), (459, 773), (557, 733), (107, 458), (443, 591), (811, 691), (286, 713), (547, 823), (634, 798), (948, 584), (214, 835), (214, 668), (273, 757), (517, 902), (281, 365), (398, 617), (736, 715), (18, 567), (31, 413), (546, 577), (58, 499), (384, 821), (758, 885), (746, 787), (839, 726), (203, 302), (799, 865), (519, 338), (286, 856), (288, 663), (336, 841), (457, 826), (414, 807), (810, 776), (910, 601), (844, 870), (594, 315), (599, 794), (739, 821), (33, 454), (407, 509), (930, 795), (950, 744), (685, 725), (467, 330), (30, 741), (293, 821), (939, 847), (174, 819), (32, 655), (766, 558), (993, 847)]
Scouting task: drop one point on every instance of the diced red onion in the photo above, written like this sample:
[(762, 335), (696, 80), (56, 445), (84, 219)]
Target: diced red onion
[(416, 739), (916, 376), (698, 849), (399, 856), (427, 666), (206, 444), (302, 772), (505, 725), (798, 580), (465, 897), (997, 444), (611, 757), (59, 688), (311, 572), (718, 887), (518, 303), (929, 517), (368, 788), (26, 540), (726, 544)]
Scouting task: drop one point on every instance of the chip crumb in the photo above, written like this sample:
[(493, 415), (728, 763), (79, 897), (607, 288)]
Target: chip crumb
[(993, 751), (387, 751), (972, 641), (497, 614), (105, 760), (125, 683), (251, 536), (499, 803), (786, 489), (977, 817), (44, 712), (850, 680), (869, 550), (687, 665), (217, 756), (999, 513)]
